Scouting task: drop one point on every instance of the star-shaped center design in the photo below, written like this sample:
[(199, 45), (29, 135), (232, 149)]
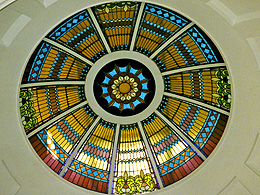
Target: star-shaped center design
[(125, 87)]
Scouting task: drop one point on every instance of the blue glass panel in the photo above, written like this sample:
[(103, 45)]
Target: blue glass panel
[(127, 106), (106, 80), (113, 73), (143, 95), (136, 102), (144, 86), (133, 71), (122, 69), (104, 90), (108, 98)]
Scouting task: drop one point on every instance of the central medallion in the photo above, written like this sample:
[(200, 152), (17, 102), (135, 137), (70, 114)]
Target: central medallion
[(124, 87)]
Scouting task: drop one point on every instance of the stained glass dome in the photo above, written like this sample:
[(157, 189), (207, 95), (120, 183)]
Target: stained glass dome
[(125, 98)]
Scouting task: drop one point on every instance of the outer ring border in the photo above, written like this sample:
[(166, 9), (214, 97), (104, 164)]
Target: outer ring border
[(149, 63)]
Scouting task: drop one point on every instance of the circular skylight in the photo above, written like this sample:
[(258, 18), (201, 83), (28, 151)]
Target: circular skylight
[(125, 98)]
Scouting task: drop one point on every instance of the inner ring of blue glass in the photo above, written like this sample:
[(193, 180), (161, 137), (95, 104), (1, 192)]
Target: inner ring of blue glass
[(113, 77)]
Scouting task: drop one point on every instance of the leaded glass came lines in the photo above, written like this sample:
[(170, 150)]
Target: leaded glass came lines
[(132, 163), (36, 62), (175, 159), (79, 34), (126, 90), (204, 127), (61, 66), (90, 168), (47, 102), (159, 134), (211, 85), (48, 150), (55, 143), (211, 132), (187, 116), (69, 130), (177, 136), (157, 25), (50, 63), (116, 20), (192, 48)]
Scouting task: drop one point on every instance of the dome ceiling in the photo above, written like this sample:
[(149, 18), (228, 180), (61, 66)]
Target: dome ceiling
[(125, 98)]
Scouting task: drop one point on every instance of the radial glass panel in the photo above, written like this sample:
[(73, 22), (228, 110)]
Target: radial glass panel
[(39, 104), (117, 20), (210, 85), (90, 167), (157, 25), (79, 34), (55, 143), (50, 63), (190, 49), (175, 158), (133, 171), (203, 126)]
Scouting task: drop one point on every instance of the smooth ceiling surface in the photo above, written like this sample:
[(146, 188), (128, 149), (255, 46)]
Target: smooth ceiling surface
[(229, 169)]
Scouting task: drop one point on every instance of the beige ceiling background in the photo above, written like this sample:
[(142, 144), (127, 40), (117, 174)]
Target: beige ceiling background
[(234, 25)]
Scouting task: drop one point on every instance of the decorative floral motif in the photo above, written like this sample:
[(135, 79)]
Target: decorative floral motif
[(28, 113), (124, 87), (125, 184), (144, 182), (140, 183), (223, 96), (108, 6)]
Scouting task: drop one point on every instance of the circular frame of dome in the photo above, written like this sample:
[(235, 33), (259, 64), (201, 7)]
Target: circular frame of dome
[(159, 86), (203, 109)]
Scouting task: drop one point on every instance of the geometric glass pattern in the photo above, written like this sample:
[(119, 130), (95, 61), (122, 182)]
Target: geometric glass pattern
[(79, 34), (40, 104), (171, 152), (153, 31), (131, 146), (55, 144), (117, 21), (51, 63), (117, 156), (122, 89), (48, 150), (211, 85), (92, 162), (203, 126), (192, 48)]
